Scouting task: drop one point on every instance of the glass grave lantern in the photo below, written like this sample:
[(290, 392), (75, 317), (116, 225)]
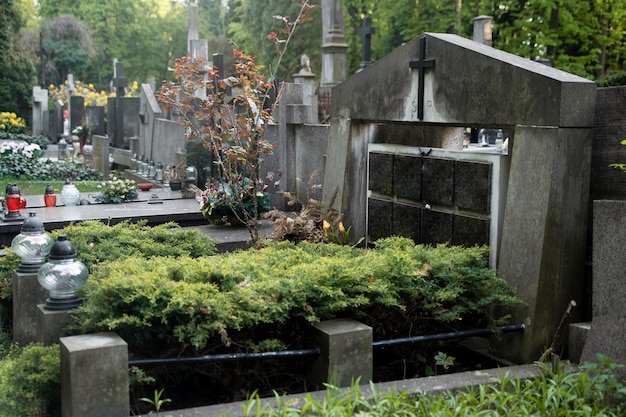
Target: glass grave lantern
[(32, 245), (62, 276), (13, 201)]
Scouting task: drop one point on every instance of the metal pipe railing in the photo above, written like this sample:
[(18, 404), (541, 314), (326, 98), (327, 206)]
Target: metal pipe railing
[(450, 335), (309, 353), (226, 357)]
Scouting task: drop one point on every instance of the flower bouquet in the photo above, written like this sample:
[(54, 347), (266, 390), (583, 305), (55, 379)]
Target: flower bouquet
[(117, 190)]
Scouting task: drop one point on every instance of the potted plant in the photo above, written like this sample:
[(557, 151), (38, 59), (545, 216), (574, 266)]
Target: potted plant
[(232, 126), (175, 176), (222, 202)]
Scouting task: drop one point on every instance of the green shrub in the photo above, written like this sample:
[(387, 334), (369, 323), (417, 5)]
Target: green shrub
[(206, 303), (98, 242), (30, 381), (42, 141)]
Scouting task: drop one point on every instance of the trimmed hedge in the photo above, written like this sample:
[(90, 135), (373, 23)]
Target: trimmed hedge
[(182, 304)]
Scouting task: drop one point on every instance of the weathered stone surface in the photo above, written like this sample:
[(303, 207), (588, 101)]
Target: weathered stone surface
[(609, 256), (607, 336), (94, 376), (381, 173), (27, 293), (50, 325), (438, 181), (472, 186), (549, 114), (578, 333), (407, 178), (436, 227), (380, 218), (407, 221), (346, 353), (470, 231)]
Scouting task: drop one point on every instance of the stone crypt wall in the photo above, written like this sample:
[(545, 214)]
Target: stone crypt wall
[(446, 80)]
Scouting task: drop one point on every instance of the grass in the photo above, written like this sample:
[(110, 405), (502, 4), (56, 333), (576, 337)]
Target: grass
[(32, 187), (592, 390)]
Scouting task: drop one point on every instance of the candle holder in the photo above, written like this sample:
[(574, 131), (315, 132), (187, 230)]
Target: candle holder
[(13, 202), (32, 245), (62, 276)]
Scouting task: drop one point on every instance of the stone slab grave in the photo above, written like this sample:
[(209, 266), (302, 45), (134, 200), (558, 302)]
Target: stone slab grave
[(435, 83)]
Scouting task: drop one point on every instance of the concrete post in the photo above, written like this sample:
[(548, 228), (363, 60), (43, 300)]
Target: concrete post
[(94, 376), (50, 325), (27, 294), (345, 353)]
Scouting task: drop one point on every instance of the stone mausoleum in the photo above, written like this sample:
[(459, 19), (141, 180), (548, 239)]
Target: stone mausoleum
[(396, 156)]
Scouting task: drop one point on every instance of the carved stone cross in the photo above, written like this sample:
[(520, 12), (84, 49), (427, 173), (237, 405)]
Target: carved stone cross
[(421, 64)]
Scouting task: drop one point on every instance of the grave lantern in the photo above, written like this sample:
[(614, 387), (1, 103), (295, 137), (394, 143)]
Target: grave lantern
[(62, 149), (13, 201), (62, 276), (31, 245)]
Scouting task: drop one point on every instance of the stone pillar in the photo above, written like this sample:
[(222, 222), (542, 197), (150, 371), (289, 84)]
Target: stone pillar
[(94, 376), (307, 79), (334, 48), (27, 294), (482, 30), (542, 252), (50, 325), (345, 353), (607, 332)]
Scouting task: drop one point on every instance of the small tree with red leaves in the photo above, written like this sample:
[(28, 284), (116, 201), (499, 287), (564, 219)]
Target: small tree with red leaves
[(231, 126)]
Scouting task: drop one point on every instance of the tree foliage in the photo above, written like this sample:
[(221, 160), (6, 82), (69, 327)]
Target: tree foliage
[(586, 38), (17, 74)]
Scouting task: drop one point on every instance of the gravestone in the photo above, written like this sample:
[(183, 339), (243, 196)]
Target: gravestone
[(94, 117), (40, 111), (123, 112), (159, 137), (56, 122), (429, 85), (366, 31), (77, 115)]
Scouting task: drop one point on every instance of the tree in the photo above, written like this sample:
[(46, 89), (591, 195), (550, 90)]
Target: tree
[(66, 47), (17, 74), (252, 20), (142, 34)]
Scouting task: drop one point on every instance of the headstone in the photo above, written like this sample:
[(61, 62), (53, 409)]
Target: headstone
[(77, 116), (94, 117), (123, 112), (101, 151), (159, 137), (56, 122), (607, 336), (40, 109), (366, 31)]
